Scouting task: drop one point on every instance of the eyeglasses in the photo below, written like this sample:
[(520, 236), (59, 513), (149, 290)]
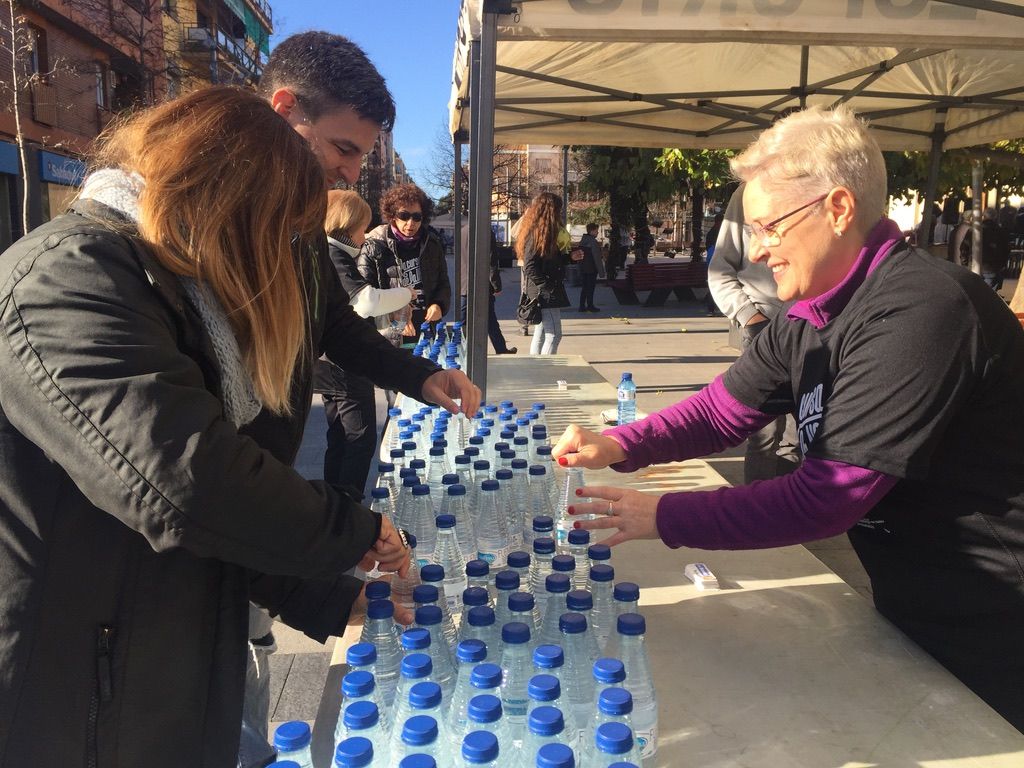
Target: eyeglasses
[(767, 235), (405, 216)]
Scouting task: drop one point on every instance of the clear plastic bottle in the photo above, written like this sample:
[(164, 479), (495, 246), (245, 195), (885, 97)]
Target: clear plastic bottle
[(539, 503), (544, 725), (404, 508), (417, 760), (397, 456), (505, 458), (421, 523), (564, 564), (428, 617), (402, 586), (515, 663), (556, 756), (540, 569), (484, 714), (434, 575), (521, 445), (506, 504), (291, 742), (464, 469), (426, 699), (599, 554), (576, 544), (639, 681), (577, 680), (387, 479), (539, 442), (480, 748), (478, 624), (550, 660), (474, 596), (454, 504), (380, 631), (608, 673), (551, 474), (541, 410), (362, 657), (436, 470), (414, 641), (355, 687), (429, 594), (419, 466), (469, 654), (542, 526), (448, 555), (582, 602), (419, 736), (362, 718), (603, 615), (573, 482), (557, 587), (614, 705), (521, 494), (614, 743), (506, 583), (478, 574), (627, 598), (356, 752), (519, 562), (492, 532), (627, 399), (416, 668), (522, 607)]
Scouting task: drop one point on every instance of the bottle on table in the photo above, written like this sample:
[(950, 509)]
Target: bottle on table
[(506, 583), (577, 680), (492, 531), (540, 569), (573, 482), (556, 756), (639, 682), (599, 554), (627, 399), (473, 597), (522, 607), (362, 657), (362, 718), (478, 574), (614, 743), (513, 513), (545, 725), (519, 561), (418, 760), (356, 752), (582, 602), (576, 543), (627, 598), (480, 748), (539, 503), (557, 586), (379, 630), (448, 555), (433, 575), (603, 615), (614, 705), (515, 663), (454, 503), (292, 742), (402, 587), (469, 653), (421, 523), (478, 624), (428, 617), (419, 736)]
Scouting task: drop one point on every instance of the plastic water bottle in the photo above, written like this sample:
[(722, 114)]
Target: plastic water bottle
[(522, 607), (576, 543), (480, 748), (599, 554), (545, 725), (478, 624), (557, 586), (582, 602), (417, 761), (362, 657), (426, 699), (428, 617), (355, 687), (420, 736), (546, 691), (542, 526), (478, 574), (402, 586), (507, 583), (577, 680), (550, 474), (421, 524), (519, 562), (608, 673), (538, 442), (614, 705), (397, 456), (492, 532), (540, 569), (573, 482), (556, 756), (362, 718), (429, 594), (627, 399), (506, 504), (291, 742), (474, 596), (550, 660), (539, 503), (469, 654), (515, 662), (464, 469), (386, 479), (564, 564), (627, 598), (436, 471), (521, 445), (416, 668), (448, 555), (355, 752), (380, 631), (603, 615), (434, 574), (419, 466), (614, 743), (521, 491), (415, 641), (639, 682), (484, 714), (454, 504)]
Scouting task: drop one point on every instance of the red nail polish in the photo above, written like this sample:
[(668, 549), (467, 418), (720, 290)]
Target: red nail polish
[(571, 511), (563, 462), (576, 524), (579, 491)]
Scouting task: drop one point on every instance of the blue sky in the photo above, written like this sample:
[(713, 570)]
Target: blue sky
[(410, 41)]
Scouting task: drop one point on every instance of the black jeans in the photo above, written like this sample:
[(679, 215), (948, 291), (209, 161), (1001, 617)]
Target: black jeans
[(493, 329), (351, 431), (587, 291)]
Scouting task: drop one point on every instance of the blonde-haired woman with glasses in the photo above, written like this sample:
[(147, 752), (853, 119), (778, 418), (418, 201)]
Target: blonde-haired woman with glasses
[(157, 350)]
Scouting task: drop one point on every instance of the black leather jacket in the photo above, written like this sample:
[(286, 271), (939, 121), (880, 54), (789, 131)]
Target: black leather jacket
[(378, 263)]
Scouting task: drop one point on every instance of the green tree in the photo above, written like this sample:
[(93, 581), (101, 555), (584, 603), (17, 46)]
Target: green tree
[(698, 172)]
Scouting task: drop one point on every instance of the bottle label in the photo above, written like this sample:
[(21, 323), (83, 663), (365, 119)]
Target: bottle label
[(627, 394), (647, 741), (493, 557)]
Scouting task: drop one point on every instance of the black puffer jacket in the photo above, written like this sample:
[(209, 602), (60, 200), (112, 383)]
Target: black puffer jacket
[(544, 279), (378, 263), (135, 521)]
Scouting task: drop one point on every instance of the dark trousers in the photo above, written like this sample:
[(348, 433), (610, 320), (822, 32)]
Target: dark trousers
[(351, 431), (493, 329), (587, 291)]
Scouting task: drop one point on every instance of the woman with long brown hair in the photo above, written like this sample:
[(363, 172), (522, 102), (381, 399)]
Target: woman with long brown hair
[(542, 245), (154, 338)]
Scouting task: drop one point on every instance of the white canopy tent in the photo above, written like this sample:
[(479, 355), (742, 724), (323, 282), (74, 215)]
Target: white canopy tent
[(928, 74)]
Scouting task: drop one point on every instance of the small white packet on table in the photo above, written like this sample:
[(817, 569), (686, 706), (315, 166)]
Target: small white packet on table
[(701, 576)]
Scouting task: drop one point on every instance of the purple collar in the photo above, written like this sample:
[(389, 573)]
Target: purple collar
[(820, 310), (402, 238)]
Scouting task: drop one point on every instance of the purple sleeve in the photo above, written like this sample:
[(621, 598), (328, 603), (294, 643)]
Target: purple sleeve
[(710, 421), (820, 499)]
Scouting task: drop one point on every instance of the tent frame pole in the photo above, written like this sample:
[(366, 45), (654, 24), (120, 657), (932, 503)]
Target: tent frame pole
[(457, 254), (932, 185), (977, 181)]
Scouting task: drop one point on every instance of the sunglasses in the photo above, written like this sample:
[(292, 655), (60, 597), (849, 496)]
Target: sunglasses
[(405, 216)]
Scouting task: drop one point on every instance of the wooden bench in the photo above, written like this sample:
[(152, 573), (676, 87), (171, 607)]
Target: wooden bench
[(661, 279)]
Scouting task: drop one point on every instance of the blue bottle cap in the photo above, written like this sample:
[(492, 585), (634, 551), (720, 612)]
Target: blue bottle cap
[(361, 715), (384, 467), (546, 721), (510, 455), (518, 559), (579, 537), (357, 684), (548, 657), (515, 633), (541, 431), (421, 730), (543, 523), (353, 752), (544, 688), (555, 756), (490, 408), (484, 708), (507, 581), (378, 590), (472, 451), (632, 624), (609, 671), (428, 615), (506, 436), (481, 465), (518, 464), (538, 406), (599, 552), (411, 539), (602, 573), (523, 420), (522, 440), (477, 567), (397, 453), (394, 413), (445, 521), (537, 470), (457, 490), (563, 563), (579, 600), (543, 546), (418, 761), (450, 479), (380, 609), (571, 623), (506, 404), (411, 480), (474, 596), (626, 592), (489, 485), (425, 696), (379, 493), (436, 452), (421, 490), (627, 376), (423, 594), (481, 616), (361, 654), (521, 602), (503, 475), (415, 639), (471, 651), (557, 584), (476, 440), (416, 665), (480, 747), (405, 472), (417, 464), (291, 736), (462, 459), (615, 701), (419, 416), (613, 738), (485, 676), (432, 572)]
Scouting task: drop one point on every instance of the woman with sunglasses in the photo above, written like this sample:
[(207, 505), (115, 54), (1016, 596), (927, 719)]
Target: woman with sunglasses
[(906, 376), (404, 251)]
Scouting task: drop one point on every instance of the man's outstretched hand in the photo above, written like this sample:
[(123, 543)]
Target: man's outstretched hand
[(445, 387)]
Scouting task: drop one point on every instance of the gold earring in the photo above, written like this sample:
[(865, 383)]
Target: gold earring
[(839, 232)]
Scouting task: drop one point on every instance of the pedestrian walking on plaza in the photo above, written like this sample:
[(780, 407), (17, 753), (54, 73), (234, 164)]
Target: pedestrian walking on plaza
[(494, 333), (542, 246), (907, 375), (589, 267), (403, 251), (349, 402), (746, 292)]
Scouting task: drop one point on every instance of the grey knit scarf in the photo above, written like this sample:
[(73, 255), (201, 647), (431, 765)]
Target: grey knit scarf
[(120, 190)]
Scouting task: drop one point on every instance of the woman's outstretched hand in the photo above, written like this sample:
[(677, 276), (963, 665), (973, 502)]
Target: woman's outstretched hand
[(578, 447), (633, 514)]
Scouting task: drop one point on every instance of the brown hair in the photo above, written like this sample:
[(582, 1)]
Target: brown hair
[(347, 212), (403, 195), (228, 184), (538, 230)]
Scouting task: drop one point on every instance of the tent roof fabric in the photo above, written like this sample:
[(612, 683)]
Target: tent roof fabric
[(713, 73)]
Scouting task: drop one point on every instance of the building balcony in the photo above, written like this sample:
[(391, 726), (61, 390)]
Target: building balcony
[(197, 40), (44, 103), (249, 63), (262, 7)]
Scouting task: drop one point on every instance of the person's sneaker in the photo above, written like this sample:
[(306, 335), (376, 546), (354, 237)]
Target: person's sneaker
[(593, 309), (509, 351)]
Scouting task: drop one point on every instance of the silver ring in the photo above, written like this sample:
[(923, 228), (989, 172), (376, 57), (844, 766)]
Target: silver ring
[(611, 512)]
